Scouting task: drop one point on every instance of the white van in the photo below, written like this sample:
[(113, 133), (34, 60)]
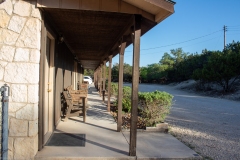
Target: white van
[(87, 79)]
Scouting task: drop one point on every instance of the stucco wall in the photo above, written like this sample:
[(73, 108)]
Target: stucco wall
[(20, 31)]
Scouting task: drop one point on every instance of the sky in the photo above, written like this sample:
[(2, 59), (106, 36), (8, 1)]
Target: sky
[(195, 25)]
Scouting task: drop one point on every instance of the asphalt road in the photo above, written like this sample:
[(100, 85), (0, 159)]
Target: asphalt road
[(210, 126)]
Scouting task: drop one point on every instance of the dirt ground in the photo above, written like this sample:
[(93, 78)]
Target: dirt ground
[(212, 90), (206, 122)]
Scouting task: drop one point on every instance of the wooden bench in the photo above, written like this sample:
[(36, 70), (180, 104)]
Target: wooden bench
[(77, 94), (74, 109)]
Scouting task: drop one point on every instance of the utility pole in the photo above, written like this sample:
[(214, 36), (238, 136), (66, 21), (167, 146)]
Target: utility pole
[(224, 29)]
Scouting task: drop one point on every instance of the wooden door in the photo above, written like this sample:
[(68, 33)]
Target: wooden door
[(48, 107)]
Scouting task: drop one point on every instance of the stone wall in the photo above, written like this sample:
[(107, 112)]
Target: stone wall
[(20, 31)]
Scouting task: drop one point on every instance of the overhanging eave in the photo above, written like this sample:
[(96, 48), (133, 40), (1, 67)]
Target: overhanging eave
[(142, 7)]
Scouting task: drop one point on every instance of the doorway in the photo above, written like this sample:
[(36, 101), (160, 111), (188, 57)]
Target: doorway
[(48, 109), (47, 88)]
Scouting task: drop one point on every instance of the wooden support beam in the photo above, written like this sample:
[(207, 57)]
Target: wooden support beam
[(104, 80), (115, 6), (100, 80), (135, 83), (84, 109), (109, 81), (104, 74), (81, 76), (82, 70), (97, 78), (120, 86), (94, 78)]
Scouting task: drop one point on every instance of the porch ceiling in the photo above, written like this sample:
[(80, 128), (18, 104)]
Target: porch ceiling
[(93, 35)]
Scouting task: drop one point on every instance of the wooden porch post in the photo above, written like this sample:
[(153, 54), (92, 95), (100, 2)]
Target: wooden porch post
[(94, 78), (120, 86), (98, 82), (81, 76), (82, 73), (100, 73), (135, 82), (104, 80), (104, 74), (109, 81), (97, 78)]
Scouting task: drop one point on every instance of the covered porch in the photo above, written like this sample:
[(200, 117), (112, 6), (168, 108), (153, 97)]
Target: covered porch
[(86, 34), (97, 139)]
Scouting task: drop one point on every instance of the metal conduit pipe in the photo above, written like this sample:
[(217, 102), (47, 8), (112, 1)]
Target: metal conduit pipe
[(4, 147)]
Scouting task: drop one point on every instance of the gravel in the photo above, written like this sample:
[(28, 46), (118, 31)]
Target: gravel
[(210, 126)]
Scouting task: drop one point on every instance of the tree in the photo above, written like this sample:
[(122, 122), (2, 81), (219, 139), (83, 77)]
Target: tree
[(115, 72), (143, 74), (89, 72), (221, 67), (167, 60), (127, 72)]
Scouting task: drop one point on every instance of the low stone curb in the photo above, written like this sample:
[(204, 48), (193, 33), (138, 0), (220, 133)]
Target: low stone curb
[(161, 127)]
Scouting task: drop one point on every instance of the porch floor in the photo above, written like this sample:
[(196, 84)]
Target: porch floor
[(102, 142)]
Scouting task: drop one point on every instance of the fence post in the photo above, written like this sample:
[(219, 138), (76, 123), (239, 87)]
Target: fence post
[(5, 92)]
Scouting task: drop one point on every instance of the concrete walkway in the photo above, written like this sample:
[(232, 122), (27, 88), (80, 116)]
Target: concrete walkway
[(103, 142)]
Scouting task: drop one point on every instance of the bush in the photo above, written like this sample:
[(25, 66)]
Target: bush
[(154, 106), (114, 89), (126, 101)]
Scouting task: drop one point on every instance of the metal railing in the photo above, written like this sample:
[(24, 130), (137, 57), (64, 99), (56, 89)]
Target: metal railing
[(5, 92)]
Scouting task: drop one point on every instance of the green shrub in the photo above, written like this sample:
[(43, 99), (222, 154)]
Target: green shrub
[(126, 101), (114, 89), (126, 105), (154, 106)]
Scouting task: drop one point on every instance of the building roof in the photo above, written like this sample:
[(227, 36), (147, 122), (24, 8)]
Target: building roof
[(92, 28)]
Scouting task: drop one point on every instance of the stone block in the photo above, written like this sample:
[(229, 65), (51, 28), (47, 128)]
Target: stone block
[(19, 93), (33, 93), (18, 128), (35, 56), (8, 37), (23, 73), (25, 148), (12, 114), (7, 53), (22, 8), (29, 112), (2, 66), (1, 72), (3, 63), (13, 107), (1, 84), (7, 6), (4, 19), (33, 128), (31, 34), (162, 125), (14, 1), (16, 24), (10, 147), (35, 11), (21, 55)]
